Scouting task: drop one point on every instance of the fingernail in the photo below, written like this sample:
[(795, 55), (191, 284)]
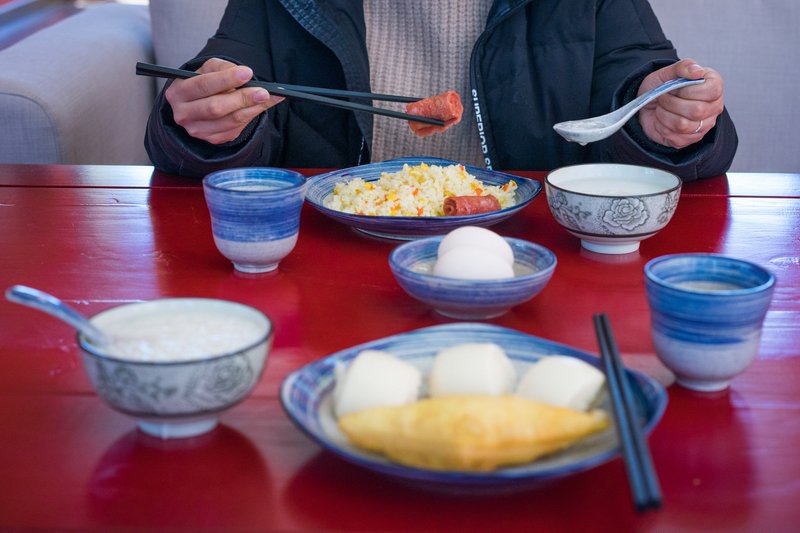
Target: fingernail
[(243, 73), (260, 97), (694, 67)]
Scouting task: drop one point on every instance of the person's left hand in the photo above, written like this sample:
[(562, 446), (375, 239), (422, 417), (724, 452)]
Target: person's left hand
[(682, 117)]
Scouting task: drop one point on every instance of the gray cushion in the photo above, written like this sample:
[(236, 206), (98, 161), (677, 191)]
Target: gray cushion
[(749, 43), (69, 93), (182, 27)]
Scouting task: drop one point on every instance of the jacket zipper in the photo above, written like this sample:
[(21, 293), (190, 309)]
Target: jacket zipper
[(477, 100)]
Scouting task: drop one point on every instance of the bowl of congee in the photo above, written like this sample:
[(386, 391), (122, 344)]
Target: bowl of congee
[(612, 207), (174, 364)]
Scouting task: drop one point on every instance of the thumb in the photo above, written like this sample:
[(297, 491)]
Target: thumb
[(686, 68)]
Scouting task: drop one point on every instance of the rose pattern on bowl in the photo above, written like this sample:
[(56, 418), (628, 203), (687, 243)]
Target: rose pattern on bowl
[(209, 385), (626, 213), (614, 216)]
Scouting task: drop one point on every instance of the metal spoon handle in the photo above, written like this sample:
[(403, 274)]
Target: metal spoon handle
[(50, 304)]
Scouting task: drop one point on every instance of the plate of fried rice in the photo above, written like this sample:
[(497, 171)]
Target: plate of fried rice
[(403, 198)]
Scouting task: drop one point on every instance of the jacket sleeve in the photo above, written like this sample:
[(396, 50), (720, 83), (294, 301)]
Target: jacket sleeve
[(172, 149), (622, 62)]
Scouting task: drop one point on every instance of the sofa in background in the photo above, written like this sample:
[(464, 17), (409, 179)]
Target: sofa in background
[(68, 94)]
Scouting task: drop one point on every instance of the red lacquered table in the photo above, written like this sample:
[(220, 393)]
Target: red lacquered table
[(100, 235)]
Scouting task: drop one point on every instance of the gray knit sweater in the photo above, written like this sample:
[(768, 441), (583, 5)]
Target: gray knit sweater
[(422, 48)]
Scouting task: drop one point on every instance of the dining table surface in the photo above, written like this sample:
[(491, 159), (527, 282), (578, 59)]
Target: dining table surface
[(101, 235)]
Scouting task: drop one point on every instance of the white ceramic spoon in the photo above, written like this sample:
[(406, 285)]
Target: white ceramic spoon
[(50, 304), (596, 128)]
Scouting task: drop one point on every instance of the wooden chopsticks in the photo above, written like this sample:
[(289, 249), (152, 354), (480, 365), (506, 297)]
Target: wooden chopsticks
[(317, 95), (638, 462)]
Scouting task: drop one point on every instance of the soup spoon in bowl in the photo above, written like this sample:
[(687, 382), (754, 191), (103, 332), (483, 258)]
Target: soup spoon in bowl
[(51, 305), (597, 128)]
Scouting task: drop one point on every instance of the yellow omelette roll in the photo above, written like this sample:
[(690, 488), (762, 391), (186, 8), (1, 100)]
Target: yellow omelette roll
[(469, 432)]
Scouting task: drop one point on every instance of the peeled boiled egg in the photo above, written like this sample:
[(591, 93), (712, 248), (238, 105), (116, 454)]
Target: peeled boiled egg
[(477, 237), (471, 368), (562, 381), (469, 262), (374, 379)]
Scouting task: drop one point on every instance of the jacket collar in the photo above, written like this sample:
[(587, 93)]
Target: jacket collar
[(339, 25), (501, 8)]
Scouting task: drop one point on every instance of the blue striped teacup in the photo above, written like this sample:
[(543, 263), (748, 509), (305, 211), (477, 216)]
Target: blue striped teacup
[(255, 214)]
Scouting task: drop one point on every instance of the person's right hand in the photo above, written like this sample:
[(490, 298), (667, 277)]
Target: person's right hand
[(212, 107)]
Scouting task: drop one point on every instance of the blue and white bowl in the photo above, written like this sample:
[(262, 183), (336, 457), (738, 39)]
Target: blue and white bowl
[(610, 207), (405, 227), (412, 264), (707, 311), (255, 214), (307, 396), (172, 398)]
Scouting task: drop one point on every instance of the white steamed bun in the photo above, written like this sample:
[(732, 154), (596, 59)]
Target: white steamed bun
[(471, 368), (562, 381), (374, 379)]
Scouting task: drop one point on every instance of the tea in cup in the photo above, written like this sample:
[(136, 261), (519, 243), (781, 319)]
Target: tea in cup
[(707, 312)]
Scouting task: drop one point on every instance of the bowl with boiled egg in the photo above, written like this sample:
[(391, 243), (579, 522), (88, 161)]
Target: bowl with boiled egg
[(472, 273)]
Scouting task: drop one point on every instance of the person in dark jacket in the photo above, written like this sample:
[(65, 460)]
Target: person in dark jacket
[(520, 65)]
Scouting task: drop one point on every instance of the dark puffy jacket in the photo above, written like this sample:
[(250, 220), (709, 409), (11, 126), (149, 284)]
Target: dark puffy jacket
[(536, 63)]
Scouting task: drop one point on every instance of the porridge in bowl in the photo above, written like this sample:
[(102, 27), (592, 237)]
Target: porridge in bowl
[(176, 363)]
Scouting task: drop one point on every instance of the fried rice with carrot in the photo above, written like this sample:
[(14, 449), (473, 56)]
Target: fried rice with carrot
[(417, 190)]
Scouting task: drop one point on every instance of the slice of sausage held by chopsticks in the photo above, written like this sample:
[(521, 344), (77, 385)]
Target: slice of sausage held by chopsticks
[(446, 106), (455, 206)]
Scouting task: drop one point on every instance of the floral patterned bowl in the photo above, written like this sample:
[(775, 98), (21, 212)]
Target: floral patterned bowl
[(612, 207), (179, 398)]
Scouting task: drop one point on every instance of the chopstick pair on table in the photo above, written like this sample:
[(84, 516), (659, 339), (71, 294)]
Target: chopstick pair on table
[(638, 462), (319, 95)]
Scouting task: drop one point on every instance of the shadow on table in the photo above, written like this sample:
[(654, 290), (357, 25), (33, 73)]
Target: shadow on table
[(711, 469), (220, 477), (326, 485)]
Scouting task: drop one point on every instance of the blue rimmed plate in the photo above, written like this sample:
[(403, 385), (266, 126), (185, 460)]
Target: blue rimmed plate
[(408, 228), (306, 395)]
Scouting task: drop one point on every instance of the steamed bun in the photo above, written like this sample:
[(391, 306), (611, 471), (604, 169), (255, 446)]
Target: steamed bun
[(374, 379), (562, 381), (471, 368)]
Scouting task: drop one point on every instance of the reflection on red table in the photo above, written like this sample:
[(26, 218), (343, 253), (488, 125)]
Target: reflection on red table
[(99, 236)]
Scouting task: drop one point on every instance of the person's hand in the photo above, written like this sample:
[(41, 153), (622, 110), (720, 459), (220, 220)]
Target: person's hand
[(682, 117), (212, 107)]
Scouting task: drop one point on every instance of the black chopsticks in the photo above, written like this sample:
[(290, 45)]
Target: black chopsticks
[(638, 462), (317, 95)]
